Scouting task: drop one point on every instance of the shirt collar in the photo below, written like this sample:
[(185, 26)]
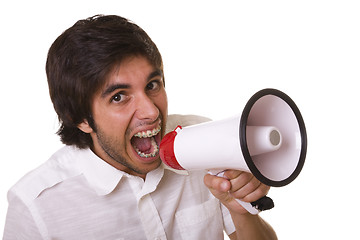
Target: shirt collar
[(181, 172), (101, 176)]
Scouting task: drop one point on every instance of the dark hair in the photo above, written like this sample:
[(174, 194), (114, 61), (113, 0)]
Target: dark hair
[(79, 62)]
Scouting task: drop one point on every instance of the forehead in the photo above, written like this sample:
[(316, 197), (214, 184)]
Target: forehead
[(132, 64), (131, 71)]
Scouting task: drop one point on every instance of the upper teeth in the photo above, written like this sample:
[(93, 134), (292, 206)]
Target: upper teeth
[(148, 133)]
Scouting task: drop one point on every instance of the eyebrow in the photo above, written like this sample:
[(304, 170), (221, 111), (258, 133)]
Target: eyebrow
[(155, 73), (114, 87)]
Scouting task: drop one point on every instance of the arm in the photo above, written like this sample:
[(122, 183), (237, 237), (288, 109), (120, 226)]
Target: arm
[(251, 227), (19, 222), (244, 186)]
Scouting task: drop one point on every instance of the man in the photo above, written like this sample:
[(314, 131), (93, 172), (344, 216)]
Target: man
[(106, 83)]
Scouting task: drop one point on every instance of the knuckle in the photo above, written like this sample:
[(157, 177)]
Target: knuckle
[(231, 174), (254, 183), (258, 193), (239, 195)]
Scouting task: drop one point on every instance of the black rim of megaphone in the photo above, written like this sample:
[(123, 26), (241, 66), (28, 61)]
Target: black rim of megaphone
[(243, 141)]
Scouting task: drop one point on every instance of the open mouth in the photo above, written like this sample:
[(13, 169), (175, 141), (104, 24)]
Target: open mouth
[(146, 143)]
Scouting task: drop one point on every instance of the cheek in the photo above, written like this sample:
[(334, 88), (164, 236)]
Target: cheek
[(162, 103), (113, 123)]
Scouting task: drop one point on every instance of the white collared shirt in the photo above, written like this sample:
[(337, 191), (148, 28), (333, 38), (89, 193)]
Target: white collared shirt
[(76, 195)]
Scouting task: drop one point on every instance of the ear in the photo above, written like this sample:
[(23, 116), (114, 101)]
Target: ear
[(85, 127)]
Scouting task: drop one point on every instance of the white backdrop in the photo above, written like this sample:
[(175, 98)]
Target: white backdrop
[(216, 56)]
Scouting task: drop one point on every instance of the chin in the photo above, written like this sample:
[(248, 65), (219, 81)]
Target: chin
[(145, 168)]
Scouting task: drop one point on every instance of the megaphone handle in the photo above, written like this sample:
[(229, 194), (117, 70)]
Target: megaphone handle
[(262, 204), (248, 207)]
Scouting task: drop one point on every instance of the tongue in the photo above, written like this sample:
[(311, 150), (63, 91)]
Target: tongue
[(142, 144)]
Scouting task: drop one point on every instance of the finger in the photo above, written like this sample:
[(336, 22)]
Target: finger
[(260, 192), (219, 187), (241, 181), (231, 174), (215, 183), (248, 188)]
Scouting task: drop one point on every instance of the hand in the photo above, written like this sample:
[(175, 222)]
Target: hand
[(236, 184)]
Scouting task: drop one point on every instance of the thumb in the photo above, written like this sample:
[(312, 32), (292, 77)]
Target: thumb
[(219, 187)]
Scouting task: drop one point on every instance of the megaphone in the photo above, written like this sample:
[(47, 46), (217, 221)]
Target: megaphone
[(268, 139)]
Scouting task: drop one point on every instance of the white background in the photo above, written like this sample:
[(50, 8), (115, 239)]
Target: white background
[(216, 55)]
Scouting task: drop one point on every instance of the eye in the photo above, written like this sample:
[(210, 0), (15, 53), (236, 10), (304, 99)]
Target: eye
[(118, 97), (153, 85)]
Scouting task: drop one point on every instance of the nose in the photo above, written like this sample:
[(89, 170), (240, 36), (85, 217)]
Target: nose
[(146, 108)]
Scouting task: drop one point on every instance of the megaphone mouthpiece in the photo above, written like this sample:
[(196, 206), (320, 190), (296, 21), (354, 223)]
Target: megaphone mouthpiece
[(167, 154)]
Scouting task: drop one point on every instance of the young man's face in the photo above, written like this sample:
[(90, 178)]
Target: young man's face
[(130, 114)]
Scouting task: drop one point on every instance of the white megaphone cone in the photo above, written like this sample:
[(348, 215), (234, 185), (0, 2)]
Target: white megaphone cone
[(268, 139)]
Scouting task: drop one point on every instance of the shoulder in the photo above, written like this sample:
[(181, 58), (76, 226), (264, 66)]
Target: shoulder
[(184, 120), (59, 167)]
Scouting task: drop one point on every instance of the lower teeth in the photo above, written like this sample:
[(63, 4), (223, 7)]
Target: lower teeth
[(152, 154)]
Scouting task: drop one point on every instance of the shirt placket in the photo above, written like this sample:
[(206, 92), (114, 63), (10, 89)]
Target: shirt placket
[(148, 213)]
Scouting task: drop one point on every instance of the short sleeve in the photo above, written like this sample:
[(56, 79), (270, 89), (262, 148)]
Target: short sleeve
[(19, 223), (183, 120)]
